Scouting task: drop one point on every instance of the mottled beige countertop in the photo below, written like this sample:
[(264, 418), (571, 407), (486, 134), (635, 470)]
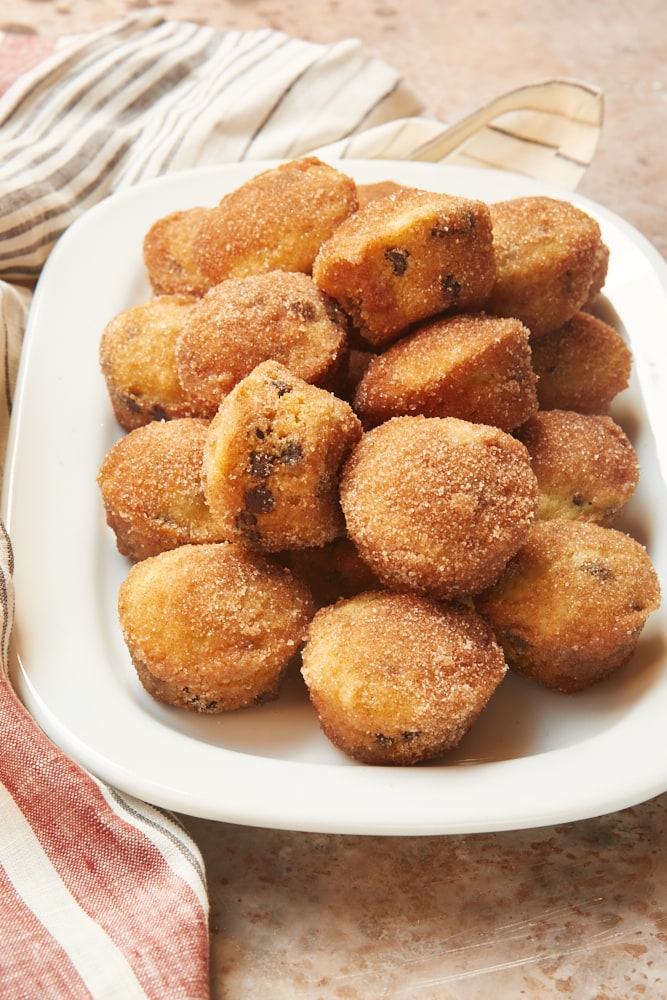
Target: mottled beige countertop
[(575, 911)]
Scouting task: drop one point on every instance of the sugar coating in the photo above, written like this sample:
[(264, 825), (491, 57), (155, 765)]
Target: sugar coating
[(272, 460), (585, 464), (168, 254), (241, 322), (277, 220), (438, 505), (472, 365), (212, 628), (397, 678), (405, 257), (550, 261), (570, 606), (138, 360), (582, 366), (151, 486)]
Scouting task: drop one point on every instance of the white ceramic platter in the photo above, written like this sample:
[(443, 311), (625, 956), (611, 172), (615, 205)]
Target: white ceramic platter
[(533, 758)]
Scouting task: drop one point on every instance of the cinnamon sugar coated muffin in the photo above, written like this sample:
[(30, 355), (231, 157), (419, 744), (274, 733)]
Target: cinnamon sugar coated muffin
[(272, 459), (571, 605), (550, 261), (585, 465), (473, 366), (397, 678), (405, 257), (151, 486), (241, 322), (277, 220), (438, 505), (212, 628), (582, 366), (168, 254), (138, 361)]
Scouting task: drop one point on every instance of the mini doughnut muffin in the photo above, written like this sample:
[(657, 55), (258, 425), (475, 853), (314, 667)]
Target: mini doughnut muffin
[(397, 678), (570, 606), (212, 628), (167, 252), (585, 465), (405, 257), (550, 261), (272, 458), (438, 505), (332, 571), (138, 360), (241, 322), (151, 486), (275, 221), (581, 366), (472, 366)]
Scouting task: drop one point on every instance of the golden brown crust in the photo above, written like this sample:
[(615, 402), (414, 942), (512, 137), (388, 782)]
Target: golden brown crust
[(151, 487), (275, 221), (396, 678), (406, 257), (581, 366), (212, 628), (472, 366), (571, 605), (137, 357), (168, 254), (241, 322), (550, 261), (272, 460), (438, 505), (585, 465)]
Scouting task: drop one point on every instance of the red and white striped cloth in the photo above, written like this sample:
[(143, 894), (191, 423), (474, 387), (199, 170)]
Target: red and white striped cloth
[(104, 896)]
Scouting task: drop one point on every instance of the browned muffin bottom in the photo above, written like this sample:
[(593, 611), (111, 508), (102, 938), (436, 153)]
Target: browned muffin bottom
[(550, 261), (472, 366), (168, 254), (585, 465), (397, 678), (582, 366), (151, 486), (212, 628), (570, 607), (438, 505), (272, 461), (277, 220), (405, 257), (280, 316)]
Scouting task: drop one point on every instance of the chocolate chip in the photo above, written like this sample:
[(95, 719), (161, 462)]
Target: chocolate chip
[(451, 287), (398, 260), (260, 433), (578, 500), (245, 520), (598, 570), (282, 386), (306, 310), (261, 464), (259, 500), (292, 453)]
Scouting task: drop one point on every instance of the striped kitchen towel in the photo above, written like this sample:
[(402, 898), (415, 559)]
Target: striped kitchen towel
[(105, 896)]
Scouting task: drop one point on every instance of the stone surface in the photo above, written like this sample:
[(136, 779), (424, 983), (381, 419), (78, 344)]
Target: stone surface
[(575, 911)]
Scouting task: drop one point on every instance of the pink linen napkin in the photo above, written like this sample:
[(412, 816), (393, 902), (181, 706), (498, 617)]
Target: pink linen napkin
[(105, 896)]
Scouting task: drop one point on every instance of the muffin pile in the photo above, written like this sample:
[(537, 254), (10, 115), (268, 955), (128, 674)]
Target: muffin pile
[(367, 432)]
